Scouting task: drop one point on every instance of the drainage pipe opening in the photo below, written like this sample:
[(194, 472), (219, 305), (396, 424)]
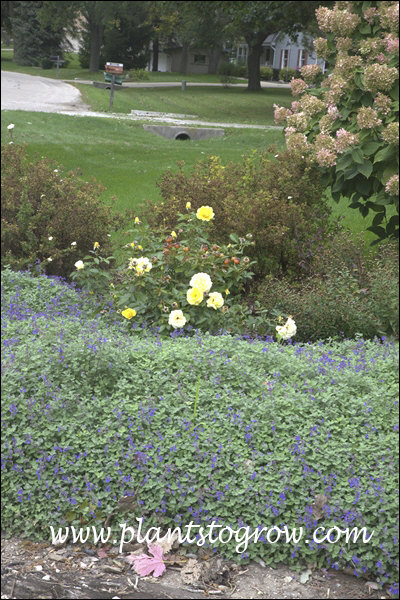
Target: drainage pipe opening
[(182, 136)]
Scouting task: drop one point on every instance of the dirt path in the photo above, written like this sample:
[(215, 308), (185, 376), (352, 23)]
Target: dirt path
[(39, 570)]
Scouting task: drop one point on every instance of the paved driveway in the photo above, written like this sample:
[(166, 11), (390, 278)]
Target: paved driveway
[(28, 92), (42, 94)]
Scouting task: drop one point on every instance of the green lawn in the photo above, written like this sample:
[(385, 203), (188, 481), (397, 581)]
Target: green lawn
[(216, 104), (130, 161), (126, 159)]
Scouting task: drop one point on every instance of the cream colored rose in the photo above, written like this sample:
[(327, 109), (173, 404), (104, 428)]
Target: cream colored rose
[(215, 300), (287, 330), (176, 319), (201, 281)]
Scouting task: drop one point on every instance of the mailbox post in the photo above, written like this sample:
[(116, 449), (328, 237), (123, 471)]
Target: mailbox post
[(114, 69)]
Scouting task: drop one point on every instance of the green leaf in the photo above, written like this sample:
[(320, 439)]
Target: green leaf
[(366, 168), (344, 162), (365, 28), (357, 155), (391, 226), (394, 93), (370, 148), (385, 154), (379, 231), (378, 219), (337, 186)]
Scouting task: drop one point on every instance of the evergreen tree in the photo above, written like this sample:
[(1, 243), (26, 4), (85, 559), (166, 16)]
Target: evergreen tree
[(33, 42)]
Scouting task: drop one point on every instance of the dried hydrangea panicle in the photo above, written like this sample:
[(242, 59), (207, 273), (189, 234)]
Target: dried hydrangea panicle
[(310, 73), (345, 139), (391, 133), (382, 103), (367, 118), (380, 77), (298, 86), (392, 186)]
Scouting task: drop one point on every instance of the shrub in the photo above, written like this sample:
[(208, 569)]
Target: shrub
[(266, 73), (138, 75), (155, 285), (348, 293), (350, 119), (279, 202), (232, 70), (45, 211), (287, 74), (46, 63)]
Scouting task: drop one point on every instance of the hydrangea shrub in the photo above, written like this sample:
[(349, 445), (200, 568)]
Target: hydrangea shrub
[(347, 122)]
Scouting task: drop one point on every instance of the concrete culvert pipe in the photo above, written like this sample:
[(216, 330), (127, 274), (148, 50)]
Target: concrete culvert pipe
[(182, 136)]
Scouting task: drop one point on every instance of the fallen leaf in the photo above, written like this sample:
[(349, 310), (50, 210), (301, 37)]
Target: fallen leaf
[(318, 506), (166, 543), (191, 572), (144, 565), (304, 577), (372, 585), (101, 553)]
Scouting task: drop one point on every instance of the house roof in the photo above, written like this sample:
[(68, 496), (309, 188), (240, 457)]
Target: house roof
[(271, 39)]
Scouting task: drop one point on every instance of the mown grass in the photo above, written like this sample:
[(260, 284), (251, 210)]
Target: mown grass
[(119, 153), (216, 104), (129, 161)]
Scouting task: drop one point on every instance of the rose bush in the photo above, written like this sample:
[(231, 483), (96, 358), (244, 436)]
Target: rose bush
[(183, 278)]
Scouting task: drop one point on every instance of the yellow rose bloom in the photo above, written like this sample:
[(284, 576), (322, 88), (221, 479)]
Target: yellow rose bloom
[(194, 296), (205, 213), (79, 265), (227, 291), (173, 234), (96, 245), (201, 281), (140, 247), (188, 205), (137, 220), (215, 300), (128, 313)]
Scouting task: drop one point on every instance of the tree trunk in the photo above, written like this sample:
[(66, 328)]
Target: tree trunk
[(156, 51), (213, 59), (96, 40), (184, 57), (253, 66)]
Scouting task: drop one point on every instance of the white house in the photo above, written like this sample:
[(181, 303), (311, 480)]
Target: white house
[(280, 52)]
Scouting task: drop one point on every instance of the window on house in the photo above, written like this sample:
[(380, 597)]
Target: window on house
[(269, 56), (303, 58), (285, 59), (242, 55), (200, 59)]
